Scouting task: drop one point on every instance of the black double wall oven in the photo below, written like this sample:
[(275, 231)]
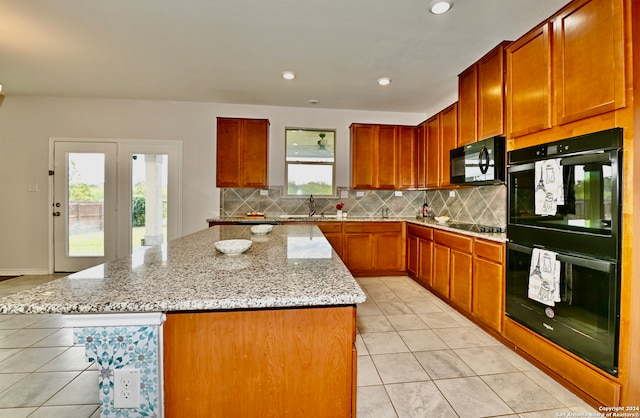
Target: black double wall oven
[(564, 216)]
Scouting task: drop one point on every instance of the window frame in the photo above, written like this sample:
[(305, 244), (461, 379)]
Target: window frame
[(311, 163)]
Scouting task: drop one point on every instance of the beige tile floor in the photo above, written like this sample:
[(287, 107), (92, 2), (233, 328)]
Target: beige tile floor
[(417, 357)]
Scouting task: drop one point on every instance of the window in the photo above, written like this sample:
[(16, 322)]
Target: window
[(310, 162)]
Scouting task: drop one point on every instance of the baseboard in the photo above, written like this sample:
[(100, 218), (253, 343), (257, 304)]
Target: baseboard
[(24, 272)]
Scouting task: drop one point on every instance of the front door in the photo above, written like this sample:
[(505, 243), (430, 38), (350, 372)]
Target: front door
[(84, 205)]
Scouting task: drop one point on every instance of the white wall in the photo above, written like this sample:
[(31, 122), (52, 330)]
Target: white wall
[(27, 123)]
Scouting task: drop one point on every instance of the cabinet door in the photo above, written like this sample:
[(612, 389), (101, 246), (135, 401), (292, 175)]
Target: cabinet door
[(529, 83), (389, 251), (441, 265), (358, 252), (407, 157), (433, 152), (425, 268), (412, 255), (228, 152), (460, 282), (488, 283), (467, 106), (255, 153), (589, 47), (488, 292), (448, 141), (387, 157), (421, 143), (363, 156), (491, 93)]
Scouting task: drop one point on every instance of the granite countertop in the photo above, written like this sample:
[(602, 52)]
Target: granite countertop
[(293, 266), (430, 222)]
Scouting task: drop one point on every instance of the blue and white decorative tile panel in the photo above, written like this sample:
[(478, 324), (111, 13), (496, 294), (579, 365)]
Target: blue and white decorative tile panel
[(124, 347)]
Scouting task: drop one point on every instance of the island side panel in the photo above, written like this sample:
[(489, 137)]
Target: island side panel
[(269, 363)]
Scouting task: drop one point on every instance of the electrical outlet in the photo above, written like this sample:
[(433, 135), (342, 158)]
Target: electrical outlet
[(126, 388), (359, 194), (344, 194), (264, 192), (452, 193), (397, 193)]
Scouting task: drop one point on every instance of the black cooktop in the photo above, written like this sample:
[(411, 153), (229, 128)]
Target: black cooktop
[(475, 227)]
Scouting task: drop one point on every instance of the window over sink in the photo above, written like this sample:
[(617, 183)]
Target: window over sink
[(310, 161)]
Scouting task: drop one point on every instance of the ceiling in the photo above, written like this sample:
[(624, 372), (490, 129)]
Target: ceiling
[(234, 51)]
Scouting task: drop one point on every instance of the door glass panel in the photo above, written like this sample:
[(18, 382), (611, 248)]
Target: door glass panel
[(85, 179), (149, 199)]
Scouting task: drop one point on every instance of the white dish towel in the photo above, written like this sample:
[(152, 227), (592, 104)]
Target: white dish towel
[(549, 187), (544, 277)]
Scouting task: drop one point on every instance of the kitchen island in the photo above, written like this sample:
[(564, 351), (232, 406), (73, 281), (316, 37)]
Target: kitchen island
[(269, 332)]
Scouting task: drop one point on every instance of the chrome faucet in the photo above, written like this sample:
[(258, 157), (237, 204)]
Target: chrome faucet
[(312, 206)]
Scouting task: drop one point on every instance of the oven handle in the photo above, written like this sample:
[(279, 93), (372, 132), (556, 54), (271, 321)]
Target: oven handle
[(576, 159), (586, 159), (578, 260)]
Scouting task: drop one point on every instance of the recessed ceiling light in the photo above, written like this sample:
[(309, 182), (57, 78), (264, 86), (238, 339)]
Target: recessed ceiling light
[(440, 7), (288, 75), (384, 81)]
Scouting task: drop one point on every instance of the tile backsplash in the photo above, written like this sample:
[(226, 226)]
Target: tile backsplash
[(484, 205)]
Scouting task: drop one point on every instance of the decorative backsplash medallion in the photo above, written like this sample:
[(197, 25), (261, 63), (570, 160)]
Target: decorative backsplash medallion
[(484, 205)]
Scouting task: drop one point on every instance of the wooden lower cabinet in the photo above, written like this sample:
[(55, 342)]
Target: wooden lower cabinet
[(420, 253), (461, 276), (441, 269), (453, 263), (374, 248), (488, 283), (266, 363)]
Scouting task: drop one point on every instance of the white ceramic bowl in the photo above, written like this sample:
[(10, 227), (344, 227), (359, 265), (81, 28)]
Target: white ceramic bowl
[(261, 229), (233, 246), (442, 219)]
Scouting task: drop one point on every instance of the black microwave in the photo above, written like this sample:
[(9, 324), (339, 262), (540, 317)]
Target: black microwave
[(479, 163)]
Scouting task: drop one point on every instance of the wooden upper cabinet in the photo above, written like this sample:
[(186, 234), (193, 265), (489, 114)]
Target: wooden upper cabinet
[(589, 60), (529, 98), (374, 156), (387, 157), (448, 141), (421, 155), (363, 156), (481, 97), (491, 75), (432, 178), (468, 106), (242, 152), (407, 157)]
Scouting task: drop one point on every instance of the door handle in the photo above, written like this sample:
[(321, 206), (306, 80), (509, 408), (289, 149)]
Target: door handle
[(483, 160), (56, 213)]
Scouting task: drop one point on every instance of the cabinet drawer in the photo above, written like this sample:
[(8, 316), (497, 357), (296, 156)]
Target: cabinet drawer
[(359, 227), (490, 250), (454, 241), (420, 231), (330, 226)]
